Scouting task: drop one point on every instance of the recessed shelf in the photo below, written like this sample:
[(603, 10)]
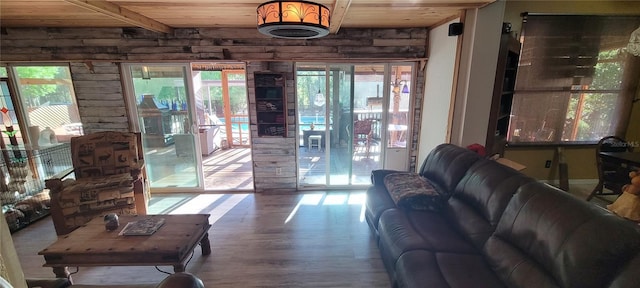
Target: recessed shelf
[(270, 104)]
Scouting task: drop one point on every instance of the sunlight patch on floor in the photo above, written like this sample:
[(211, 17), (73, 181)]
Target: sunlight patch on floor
[(197, 204), (225, 207), (330, 199), (357, 198), (165, 204), (335, 199), (307, 199)]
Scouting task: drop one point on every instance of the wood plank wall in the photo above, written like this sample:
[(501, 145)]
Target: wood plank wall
[(269, 153), (101, 102), (197, 44), (94, 55)]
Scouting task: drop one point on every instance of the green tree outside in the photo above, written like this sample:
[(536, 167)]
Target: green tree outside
[(40, 94)]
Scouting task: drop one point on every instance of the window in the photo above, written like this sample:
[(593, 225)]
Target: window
[(49, 102), (10, 132), (571, 79)]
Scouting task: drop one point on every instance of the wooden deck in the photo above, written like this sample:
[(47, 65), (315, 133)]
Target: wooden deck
[(228, 170), (343, 165)]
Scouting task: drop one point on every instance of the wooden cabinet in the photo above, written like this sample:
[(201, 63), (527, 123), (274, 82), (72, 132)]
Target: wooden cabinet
[(504, 85), (271, 105)]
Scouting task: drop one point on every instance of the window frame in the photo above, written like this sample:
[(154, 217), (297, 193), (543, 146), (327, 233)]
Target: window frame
[(20, 105)]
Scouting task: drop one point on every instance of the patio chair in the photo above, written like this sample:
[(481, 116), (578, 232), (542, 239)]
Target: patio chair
[(611, 175), (109, 178), (362, 135)]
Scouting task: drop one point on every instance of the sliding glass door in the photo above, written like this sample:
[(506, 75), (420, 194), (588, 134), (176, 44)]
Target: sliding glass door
[(343, 130), (398, 117), (161, 99)]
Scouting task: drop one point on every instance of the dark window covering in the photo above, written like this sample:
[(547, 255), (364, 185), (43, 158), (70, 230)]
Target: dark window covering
[(575, 80)]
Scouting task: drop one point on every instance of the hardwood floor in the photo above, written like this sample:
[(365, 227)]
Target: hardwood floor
[(292, 240)]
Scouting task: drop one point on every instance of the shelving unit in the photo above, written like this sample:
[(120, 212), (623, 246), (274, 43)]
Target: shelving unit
[(271, 105), (504, 85)]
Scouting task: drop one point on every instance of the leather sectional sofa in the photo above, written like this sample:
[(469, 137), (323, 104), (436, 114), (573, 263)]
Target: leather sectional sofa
[(499, 228)]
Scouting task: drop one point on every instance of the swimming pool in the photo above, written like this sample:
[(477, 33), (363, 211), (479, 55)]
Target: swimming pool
[(305, 123)]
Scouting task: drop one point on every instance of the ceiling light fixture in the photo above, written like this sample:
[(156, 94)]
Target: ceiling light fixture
[(405, 88), (320, 100), (293, 19), (395, 86)]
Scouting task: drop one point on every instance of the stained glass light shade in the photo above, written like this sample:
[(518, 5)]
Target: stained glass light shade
[(293, 19)]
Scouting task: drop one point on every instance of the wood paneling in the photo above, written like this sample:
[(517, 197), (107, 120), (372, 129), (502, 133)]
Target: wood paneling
[(136, 44), (99, 94), (269, 153)]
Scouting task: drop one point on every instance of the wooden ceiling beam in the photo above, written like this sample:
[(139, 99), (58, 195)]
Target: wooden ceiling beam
[(337, 15), (122, 14)]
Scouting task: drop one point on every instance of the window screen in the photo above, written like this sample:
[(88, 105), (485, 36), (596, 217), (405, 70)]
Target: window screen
[(573, 78)]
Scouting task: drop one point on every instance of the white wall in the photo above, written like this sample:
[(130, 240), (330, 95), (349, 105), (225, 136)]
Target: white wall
[(482, 30), (438, 90)]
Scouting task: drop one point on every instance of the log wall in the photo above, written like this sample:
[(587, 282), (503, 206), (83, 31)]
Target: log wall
[(94, 55)]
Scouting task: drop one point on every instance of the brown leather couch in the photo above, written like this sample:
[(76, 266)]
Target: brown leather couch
[(499, 228), (177, 280)]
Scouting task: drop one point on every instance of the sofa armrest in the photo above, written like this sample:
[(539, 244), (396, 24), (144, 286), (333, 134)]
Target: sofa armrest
[(181, 280), (377, 176)]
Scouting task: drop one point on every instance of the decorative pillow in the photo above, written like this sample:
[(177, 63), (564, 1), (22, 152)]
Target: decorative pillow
[(412, 191)]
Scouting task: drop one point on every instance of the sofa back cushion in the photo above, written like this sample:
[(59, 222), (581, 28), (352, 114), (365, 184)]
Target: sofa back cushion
[(547, 238), (481, 196), (445, 165)]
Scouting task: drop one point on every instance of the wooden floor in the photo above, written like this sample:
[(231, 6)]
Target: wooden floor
[(293, 240)]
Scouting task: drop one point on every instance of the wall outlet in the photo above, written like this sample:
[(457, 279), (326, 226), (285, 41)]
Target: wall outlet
[(547, 164), (278, 171)]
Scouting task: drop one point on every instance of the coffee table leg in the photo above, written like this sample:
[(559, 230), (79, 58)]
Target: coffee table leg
[(178, 268), (62, 272), (206, 246)]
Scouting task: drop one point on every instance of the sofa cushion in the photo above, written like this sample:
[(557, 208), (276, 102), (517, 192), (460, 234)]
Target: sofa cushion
[(421, 268), (446, 165), (378, 201), (402, 231), (480, 198), (412, 191), (629, 276), (547, 236)]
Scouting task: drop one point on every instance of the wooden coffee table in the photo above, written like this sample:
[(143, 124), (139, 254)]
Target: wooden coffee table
[(92, 245)]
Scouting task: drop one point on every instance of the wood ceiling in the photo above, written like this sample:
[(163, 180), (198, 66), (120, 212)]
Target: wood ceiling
[(164, 15)]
